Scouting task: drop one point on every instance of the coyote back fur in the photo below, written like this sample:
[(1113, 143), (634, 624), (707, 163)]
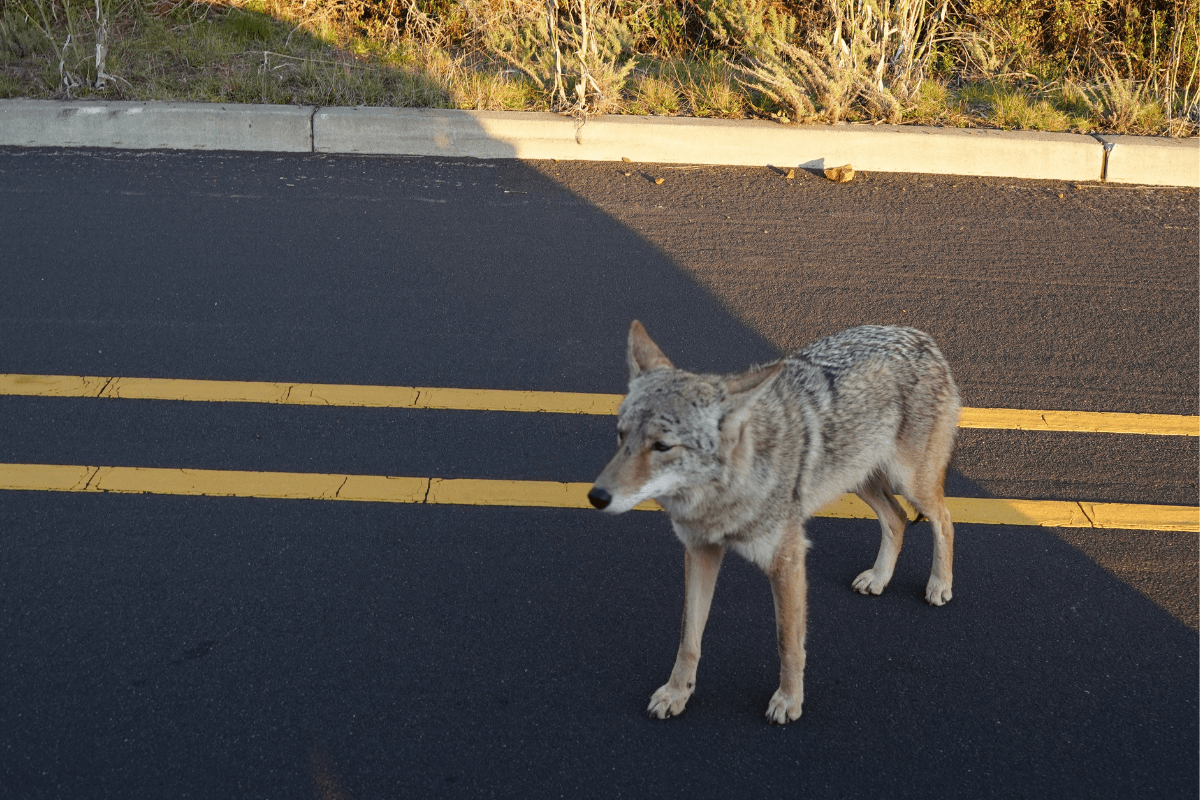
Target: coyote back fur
[(742, 461)]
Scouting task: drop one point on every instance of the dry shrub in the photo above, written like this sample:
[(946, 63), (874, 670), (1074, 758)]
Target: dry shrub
[(1119, 59), (1119, 104), (573, 52), (870, 64)]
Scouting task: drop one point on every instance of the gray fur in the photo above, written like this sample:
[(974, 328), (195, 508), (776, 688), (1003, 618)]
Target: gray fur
[(742, 461)]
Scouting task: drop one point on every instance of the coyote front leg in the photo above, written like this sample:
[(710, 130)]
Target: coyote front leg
[(789, 585), (700, 567)]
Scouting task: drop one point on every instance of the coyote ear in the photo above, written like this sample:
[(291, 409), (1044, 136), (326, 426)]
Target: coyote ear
[(740, 393), (747, 386), (643, 354)]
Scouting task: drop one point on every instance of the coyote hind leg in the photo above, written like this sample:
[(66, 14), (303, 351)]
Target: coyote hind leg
[(932, 503), (892, 520), (927, 494)]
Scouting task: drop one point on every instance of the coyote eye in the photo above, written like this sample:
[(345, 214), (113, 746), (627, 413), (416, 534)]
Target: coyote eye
[(661, 447)]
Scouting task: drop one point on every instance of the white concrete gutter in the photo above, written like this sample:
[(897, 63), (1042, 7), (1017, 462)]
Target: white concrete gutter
[(534, 135)]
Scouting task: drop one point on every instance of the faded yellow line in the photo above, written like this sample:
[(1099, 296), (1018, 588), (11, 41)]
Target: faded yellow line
[(543, 494), (522, 401), (1079, 421)]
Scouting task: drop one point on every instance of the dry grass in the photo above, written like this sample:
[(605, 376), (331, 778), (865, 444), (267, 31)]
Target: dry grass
[(654, 96), (710, 89), (1074, 65)]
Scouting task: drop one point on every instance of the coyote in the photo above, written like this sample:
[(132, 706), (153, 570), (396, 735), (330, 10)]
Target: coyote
[(742, 461)]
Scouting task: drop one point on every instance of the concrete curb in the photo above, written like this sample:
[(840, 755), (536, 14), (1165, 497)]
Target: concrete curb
[(681, 140), (1152, 161), (169, 126), (534, 135)]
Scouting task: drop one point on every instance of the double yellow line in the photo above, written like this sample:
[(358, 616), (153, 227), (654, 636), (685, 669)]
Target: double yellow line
[(543, 494), (546, 494)]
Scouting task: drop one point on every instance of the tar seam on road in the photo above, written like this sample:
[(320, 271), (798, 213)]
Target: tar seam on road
[(538, 494), (518, 401)]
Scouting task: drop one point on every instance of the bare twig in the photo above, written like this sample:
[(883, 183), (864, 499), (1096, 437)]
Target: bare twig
[(102, 77)]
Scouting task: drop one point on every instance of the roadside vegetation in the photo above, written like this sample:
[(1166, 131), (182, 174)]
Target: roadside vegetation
[(1124, 66)]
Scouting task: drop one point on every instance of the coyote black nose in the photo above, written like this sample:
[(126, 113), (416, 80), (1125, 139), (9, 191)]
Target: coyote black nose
[(599, 497)]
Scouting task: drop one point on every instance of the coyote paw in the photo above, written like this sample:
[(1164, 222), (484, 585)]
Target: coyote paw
[(784, 707), (937, 592), (870, 583), (668, 701)]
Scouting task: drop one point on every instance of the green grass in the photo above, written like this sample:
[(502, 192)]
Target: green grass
[(654, 96), (240, 56), (1020, 108)]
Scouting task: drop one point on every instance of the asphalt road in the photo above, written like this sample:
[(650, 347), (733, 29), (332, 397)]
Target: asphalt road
[(208, 647)]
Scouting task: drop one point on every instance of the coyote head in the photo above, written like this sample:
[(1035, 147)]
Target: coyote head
[(675, 429)]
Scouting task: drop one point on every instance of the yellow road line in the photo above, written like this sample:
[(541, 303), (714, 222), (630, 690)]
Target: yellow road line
[(1079, 421), (543, 494), (311, 394), (528, 401)]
